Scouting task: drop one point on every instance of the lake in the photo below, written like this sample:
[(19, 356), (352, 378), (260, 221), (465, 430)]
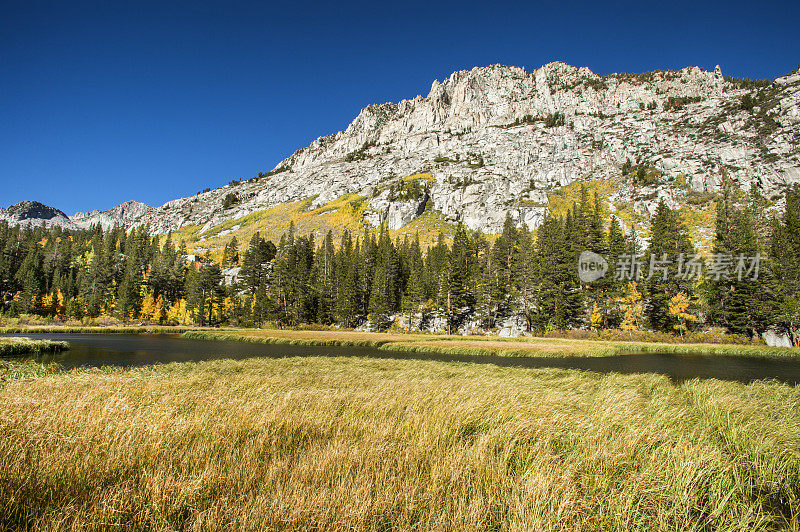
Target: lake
[(96, 350)]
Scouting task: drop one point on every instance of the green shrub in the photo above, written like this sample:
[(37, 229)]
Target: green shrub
[(676, 103), (554, 119), (230, 200), (747, 103)]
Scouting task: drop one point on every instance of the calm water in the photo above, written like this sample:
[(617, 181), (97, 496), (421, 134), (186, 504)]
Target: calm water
[(145, 349)]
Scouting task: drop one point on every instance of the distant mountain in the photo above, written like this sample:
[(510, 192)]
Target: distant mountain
[(35, 214), (128, 214), (498, 140)]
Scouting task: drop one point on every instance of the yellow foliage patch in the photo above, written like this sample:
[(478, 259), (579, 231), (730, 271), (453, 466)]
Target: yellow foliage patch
[(417, 177), (338, 215)]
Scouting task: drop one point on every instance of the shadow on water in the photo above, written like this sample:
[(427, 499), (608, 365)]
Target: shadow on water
[(95, 350)]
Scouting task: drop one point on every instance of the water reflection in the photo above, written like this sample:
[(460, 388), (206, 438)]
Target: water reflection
[(140, 350)]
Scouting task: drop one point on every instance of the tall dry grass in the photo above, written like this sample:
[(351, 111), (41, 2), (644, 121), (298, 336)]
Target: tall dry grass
[(364, 444), (16, 346), (482, 345)]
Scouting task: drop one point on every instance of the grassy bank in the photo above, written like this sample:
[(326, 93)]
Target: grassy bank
[(25, 369), (61, 329), (11, 347), (366, 444), (431, 343), (481, 345)]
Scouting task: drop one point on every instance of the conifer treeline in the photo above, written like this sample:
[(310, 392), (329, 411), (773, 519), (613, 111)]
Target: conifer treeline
[(520, 273)]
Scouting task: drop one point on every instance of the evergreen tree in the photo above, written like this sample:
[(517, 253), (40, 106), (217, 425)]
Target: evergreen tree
[(204, 292), (784, 267), (669, 244), (230, 255), (255, 263), (525, 275)]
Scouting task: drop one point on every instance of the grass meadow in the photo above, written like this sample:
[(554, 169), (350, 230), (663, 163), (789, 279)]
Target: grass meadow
[(364, 444)]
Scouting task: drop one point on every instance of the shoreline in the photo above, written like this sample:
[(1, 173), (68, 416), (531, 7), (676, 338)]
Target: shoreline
[(431, 343)]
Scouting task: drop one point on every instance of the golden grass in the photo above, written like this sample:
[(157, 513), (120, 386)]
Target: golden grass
[(480, 345), (364, 444), (26, 346)]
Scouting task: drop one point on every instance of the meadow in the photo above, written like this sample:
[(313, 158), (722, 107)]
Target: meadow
[(363, 444)]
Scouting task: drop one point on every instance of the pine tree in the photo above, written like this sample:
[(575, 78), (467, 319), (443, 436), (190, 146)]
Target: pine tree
[(348, 296), (785, 267), (736, 298), (615, 285), (525, 275), (129, 291), (204, 292), (551, 275), (669, 242), (259, 254), (460, 289), (325, 268), (30, 280), (230, 255)]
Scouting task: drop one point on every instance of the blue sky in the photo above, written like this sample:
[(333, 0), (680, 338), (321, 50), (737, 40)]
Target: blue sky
[(102, 102)]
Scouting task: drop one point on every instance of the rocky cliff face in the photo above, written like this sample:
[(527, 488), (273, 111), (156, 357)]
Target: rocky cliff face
[(128, 214), (497, 140), (36, 214)]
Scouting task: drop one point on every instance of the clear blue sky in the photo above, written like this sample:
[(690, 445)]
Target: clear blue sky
[(101, 103)]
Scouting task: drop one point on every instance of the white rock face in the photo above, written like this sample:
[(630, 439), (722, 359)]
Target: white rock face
[(33, 213), (492, 141), (129, 214), (774, 339)]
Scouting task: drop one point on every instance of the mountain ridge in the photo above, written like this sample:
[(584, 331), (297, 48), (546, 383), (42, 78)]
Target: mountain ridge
[(499, 140), (33, 213)]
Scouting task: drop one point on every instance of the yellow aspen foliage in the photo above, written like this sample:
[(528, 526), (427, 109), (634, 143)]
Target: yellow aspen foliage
[(148, 308), (159, 314), (227, 307), (61, 305), (679, 308), (632, 308), (172, 314), (47, 304), (176, 313), (597, 317), (185, 319), (108, 307)]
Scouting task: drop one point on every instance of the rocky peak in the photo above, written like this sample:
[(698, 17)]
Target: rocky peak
[(35, 214), (128, 214), (499, 140)]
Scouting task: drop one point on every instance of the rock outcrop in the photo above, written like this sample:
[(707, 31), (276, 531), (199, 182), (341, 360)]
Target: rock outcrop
[(497, 140), (129, 214), (33, 213)]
